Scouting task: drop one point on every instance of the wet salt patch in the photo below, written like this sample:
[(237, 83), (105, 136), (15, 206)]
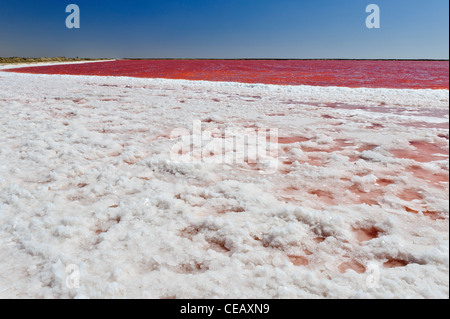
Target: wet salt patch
[(424, 212), (291, 140), (395, 263), (409, 194), (366, 147), (366, 197), (319, 240), (336, 146), (431, 177), (352, 265), (444, 126), (383, 182), (366, 234), (422, 118), (299, 260), (326, 197), (276, 114), (310, 160), (375, 126), (436, 113), (424, 152)]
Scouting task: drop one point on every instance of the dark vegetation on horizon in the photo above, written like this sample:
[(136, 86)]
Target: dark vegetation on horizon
[(14, 60)]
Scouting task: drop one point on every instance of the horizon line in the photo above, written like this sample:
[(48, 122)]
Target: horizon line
[(237, 59), (290, 59), (243, 58)]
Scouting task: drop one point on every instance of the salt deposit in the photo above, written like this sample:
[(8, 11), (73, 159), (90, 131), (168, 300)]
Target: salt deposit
[(93, 204)]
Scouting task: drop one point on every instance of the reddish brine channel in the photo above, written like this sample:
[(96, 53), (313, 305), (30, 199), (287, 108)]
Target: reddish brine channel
[(343, 73)]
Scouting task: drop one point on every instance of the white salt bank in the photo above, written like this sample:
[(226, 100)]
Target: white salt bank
[(350, 202)]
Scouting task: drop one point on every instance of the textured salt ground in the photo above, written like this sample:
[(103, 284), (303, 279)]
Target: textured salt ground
[(86, 178)]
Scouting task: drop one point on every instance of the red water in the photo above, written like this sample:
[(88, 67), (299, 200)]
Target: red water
[(372, 74)]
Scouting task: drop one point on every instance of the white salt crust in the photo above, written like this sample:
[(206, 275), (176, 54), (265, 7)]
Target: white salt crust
[(87, 180)]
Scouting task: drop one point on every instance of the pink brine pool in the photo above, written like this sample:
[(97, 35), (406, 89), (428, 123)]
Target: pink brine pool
[(343, 73)]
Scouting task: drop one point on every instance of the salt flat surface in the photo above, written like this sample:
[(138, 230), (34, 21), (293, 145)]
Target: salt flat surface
[(357, 206)]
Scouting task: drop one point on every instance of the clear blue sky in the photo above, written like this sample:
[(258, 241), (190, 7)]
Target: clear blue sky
[(226, 29)]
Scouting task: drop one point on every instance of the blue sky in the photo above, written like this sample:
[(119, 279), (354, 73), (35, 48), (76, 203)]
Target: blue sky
[(410, 29)]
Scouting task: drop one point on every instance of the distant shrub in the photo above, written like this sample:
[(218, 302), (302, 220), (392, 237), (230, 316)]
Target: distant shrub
[(15, 60)]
